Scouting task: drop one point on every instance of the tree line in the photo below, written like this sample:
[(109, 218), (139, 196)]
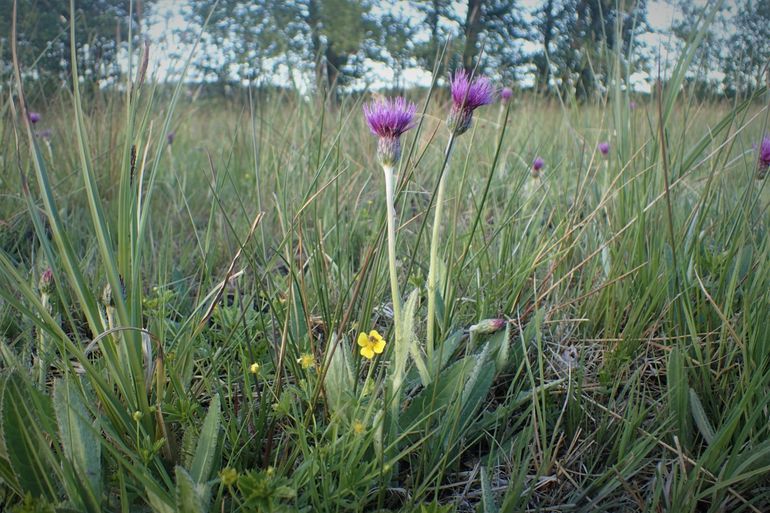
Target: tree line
[(559, 46)]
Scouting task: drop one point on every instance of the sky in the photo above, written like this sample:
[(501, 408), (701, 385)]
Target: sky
[(168, 19)]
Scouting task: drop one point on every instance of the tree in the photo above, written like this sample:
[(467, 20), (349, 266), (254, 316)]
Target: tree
[(748, 48), (709, 53), (43, 37), (577, 38), (495, 25), (261, 35)]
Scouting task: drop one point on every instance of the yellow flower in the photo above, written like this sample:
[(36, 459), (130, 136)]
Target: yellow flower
[(358, 427), (254, 368), (306, 361), (371, 344)]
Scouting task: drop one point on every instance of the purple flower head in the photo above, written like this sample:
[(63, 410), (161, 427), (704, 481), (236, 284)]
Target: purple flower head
[(170, 137), (467, 96), (763, 160), (537, 165), (506, 94), (604, 148), (632, 105), (388, 119), (45, 134), (34, 117)]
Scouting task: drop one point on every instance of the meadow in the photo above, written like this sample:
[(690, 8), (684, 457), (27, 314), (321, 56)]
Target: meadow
[(184, 282)]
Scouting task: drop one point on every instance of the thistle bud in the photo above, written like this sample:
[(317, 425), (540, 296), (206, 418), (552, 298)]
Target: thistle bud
[(46, 283), (487, 326)]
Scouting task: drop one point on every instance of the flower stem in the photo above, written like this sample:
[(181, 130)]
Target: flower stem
[(398, 346), (390, 201), (434, 244)]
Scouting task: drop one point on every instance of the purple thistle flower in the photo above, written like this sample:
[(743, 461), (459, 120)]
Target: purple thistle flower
[(170, 137), (388, 119), (537, 165), (467, 96), (45, 134), (604, 148), (506, 94), (763, 160), (34, 117)]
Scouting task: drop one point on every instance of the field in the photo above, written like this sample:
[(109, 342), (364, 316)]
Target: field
[(184, 281)]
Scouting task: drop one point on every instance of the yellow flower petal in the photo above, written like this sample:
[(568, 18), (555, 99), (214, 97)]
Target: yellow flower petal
[(367, 352), (379, 346), (373, 335), (363, 340)]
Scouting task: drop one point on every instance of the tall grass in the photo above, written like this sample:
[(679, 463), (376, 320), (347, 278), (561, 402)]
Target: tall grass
[(630, 374)]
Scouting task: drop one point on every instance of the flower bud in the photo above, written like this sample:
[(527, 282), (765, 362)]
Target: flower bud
[(46, 283), (229, 476), (487, 326)]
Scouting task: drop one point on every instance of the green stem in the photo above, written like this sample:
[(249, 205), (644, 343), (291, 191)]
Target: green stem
[(434, 244)]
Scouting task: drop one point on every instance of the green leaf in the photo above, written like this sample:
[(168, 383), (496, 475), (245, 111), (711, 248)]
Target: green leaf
[(190, 497), (678, 393), (701, 420), (338, 382), (28, 427), (487, 499), (78, 436), (410, 338), (207, 451)]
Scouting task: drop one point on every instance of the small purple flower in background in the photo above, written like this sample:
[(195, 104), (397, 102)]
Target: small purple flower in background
[(467, 96), (604, 148), (506, 94), (763, 160), (537, 165), (170, 137), (632, 105), (34, 117), (389, 119), (45, 134)]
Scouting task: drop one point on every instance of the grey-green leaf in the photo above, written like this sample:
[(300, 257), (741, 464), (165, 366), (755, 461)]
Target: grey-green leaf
[(208, 447), (190, 497), (701, 420), (78, 436)]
